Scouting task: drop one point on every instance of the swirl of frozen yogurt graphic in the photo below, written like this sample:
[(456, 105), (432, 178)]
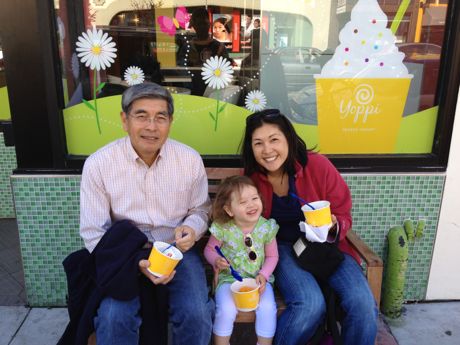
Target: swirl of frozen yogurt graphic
[(367, 48)]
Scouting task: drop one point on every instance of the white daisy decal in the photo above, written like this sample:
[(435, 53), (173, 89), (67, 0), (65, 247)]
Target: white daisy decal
[(134, 75), (217, 72), (96, 49), (255, 101)]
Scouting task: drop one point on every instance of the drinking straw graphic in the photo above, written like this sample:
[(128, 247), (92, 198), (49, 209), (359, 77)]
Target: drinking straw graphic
[(399, 16)]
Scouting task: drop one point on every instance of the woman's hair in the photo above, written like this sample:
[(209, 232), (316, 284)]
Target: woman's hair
[(297, 149), (200, 22), (224, 194)]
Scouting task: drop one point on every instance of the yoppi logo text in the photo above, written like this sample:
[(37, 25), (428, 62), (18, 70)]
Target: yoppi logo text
[(360, 106)]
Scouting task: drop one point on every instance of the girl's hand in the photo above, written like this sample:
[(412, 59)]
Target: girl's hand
[(260, 279), (221, 263)]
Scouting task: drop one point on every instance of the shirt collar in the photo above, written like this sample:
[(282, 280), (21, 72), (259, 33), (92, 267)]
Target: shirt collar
[(132, 154)]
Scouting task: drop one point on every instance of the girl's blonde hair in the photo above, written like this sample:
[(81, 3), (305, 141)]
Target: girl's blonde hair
[(224, 194)]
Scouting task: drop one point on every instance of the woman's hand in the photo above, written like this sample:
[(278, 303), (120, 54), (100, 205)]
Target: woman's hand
[(334, 220), (332, 234), (221, 264), (144, 264), (260, 279)]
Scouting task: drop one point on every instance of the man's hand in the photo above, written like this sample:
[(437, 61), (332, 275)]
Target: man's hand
[(260, 279), (144, 264), (185, 237)]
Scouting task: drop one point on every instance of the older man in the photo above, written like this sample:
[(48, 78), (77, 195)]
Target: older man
[(159, 185)]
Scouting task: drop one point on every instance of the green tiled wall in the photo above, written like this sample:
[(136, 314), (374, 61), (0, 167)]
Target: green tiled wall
[(382, 201), (48, 213), (7, 165), (47, 209)]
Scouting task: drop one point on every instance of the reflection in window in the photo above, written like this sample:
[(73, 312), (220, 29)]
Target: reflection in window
[(5, 113), (2, 67), (419, 37), (272, 46), (147, 35)]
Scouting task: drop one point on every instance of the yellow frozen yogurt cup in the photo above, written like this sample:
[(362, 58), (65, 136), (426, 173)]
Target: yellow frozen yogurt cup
[(245, 294), (163, 263), (320, 216)]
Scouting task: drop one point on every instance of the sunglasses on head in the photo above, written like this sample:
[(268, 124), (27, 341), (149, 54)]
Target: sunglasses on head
[(249, 246), (264, 114)]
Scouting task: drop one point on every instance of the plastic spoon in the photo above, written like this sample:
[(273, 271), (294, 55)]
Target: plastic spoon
[(302, 200), (235, 273), (172, 244)]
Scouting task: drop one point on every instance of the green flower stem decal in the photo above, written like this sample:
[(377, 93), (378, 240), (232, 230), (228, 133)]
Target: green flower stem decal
[(215, 118), (94, 107)]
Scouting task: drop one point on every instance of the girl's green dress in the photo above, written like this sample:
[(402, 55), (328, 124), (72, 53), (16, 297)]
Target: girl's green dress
[(236, 251)]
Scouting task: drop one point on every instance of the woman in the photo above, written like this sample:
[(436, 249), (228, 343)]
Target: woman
[(278, 161), (221, 31)]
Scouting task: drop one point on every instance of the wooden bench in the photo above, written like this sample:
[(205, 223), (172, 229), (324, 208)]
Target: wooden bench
[(373, 264)]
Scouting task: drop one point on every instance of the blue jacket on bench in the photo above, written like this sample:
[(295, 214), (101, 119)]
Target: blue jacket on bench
[(112, 270)]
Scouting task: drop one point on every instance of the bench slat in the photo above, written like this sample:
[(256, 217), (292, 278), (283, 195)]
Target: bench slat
[(221, 173)]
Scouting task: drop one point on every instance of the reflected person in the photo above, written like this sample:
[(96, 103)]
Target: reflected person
[(221, 31), (202, 47)]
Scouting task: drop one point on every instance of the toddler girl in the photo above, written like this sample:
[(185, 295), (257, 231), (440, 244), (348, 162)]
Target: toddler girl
[(248, 241)]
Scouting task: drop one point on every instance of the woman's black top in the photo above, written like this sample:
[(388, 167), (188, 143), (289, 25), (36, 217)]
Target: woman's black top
[(287, 213)]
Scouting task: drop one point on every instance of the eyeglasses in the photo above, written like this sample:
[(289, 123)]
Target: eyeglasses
[(249, 244), (144, 120), (264, 114)]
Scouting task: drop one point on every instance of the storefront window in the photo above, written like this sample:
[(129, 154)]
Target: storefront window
[(4, 104), (354, 77)]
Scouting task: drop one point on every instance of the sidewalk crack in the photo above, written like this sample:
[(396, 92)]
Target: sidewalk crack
[(17, 330)]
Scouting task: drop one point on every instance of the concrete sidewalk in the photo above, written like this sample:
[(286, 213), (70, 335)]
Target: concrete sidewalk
[(434, 323), (26, 326), (420, 324)]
